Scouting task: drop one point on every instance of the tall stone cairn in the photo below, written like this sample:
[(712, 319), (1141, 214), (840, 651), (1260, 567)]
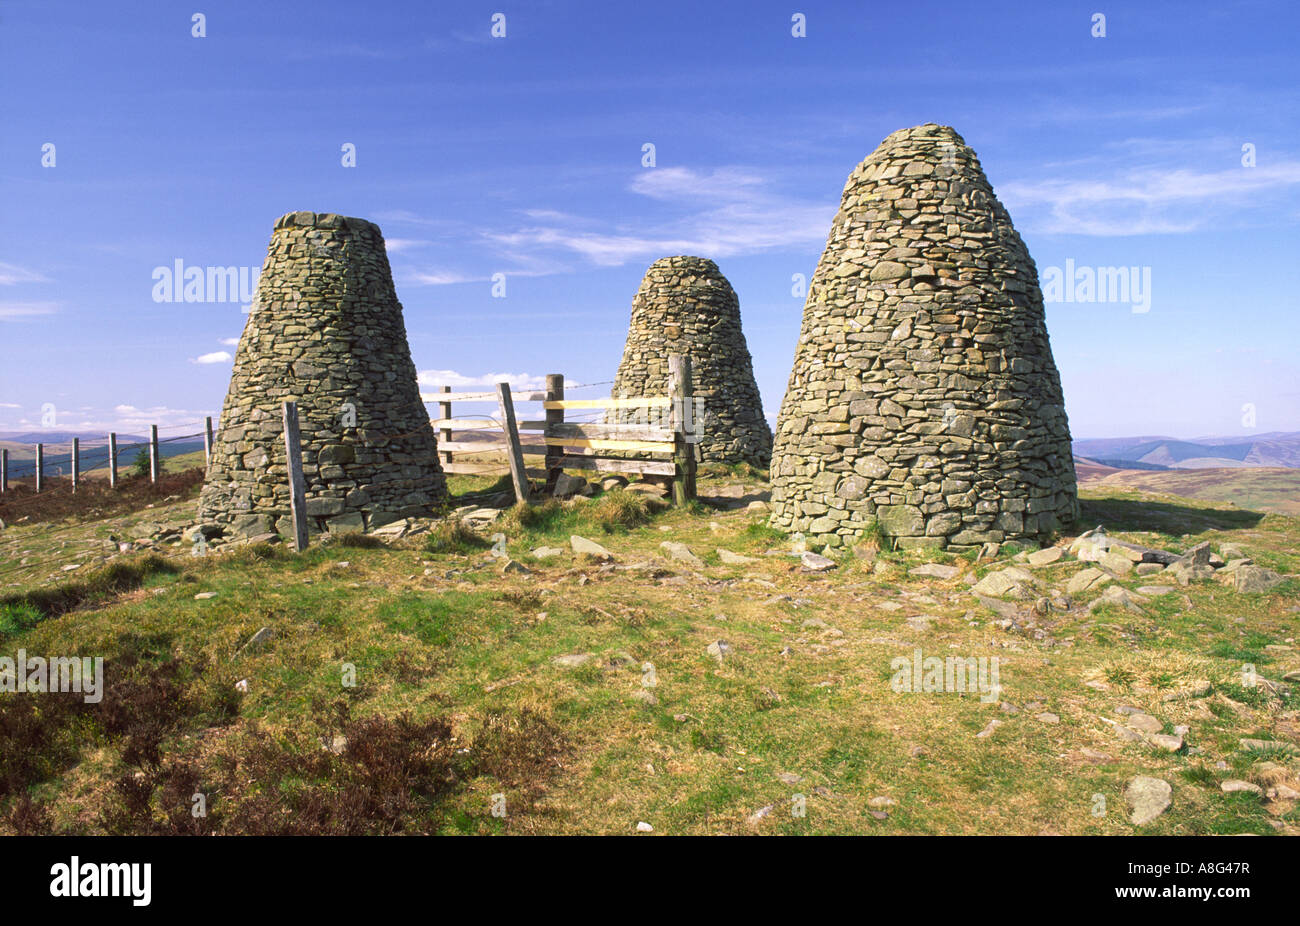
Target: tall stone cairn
[(325, 331), (686, 306), (924, 395)]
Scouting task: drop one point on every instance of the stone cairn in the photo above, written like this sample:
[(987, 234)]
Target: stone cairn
[(924, 396), (686, 306), (325, 331)]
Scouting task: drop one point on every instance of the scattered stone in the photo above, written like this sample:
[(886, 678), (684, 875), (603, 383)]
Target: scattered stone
[(1198, 555), (1117, 595), (204, 596), (1086, 580), (1045, 557), (1047, 717), (644, 827), (814, 562), (936, 571), (1148, 797), (256, 640), (512, 567), (921, 622), (1144, 723), (759, 815), (727, 558), (573, 660), (998, 584), (681, 553), (1258, 745), (545, 552), (1233, 785), (719, 650), (1116, 563), (582, 545), (789, 778), (1255, 579), (1165, 741), (567, 486), (988, 730), (881, 801)]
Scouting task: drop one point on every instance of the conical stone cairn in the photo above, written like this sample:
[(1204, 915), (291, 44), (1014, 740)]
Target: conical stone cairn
[(325, 331), (686, 306), (924, 401)]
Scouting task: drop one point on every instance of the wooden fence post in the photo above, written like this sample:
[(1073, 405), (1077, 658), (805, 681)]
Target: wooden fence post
[(4, 470), (112, 460), (514, 452), (679, 393), (554, 416), (207, 440), (297, 485), (76, 463), (153, 453), (444, 412), (40, 465)]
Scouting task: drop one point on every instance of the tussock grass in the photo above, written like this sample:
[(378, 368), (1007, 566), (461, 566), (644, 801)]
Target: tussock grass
[(96, 586), (453, 536)]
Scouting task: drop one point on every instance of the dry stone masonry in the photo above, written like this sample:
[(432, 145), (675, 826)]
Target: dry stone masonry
[(686, 306), (923, 395), (325, 331)]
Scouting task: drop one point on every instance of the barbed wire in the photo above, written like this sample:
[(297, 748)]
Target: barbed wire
[(94, 461)]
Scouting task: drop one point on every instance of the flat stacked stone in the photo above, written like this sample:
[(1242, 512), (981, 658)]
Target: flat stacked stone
[(325, 331), (924, 395), (686, 306)]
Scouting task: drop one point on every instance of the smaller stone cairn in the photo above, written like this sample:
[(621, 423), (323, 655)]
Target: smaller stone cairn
[(686, 306), (326, 331)]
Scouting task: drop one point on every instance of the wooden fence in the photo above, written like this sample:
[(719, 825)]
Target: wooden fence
[(643, 448), (111, 462)]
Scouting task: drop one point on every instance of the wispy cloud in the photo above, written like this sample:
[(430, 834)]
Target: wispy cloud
[(725, 212), (219, 356), (14, 310), (443, 277), (522, 381), (397, 245), (12, 273), (1146, 201), (230, 342)]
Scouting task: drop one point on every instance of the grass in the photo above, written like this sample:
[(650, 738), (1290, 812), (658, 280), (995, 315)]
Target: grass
[(403, 688)]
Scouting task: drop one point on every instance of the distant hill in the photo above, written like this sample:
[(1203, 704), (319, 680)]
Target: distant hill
[(63, 437), (1273, 449), (1258, 488), (94, 451)]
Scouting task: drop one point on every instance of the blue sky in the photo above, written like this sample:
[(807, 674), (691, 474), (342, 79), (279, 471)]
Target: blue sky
[(523, 155)]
